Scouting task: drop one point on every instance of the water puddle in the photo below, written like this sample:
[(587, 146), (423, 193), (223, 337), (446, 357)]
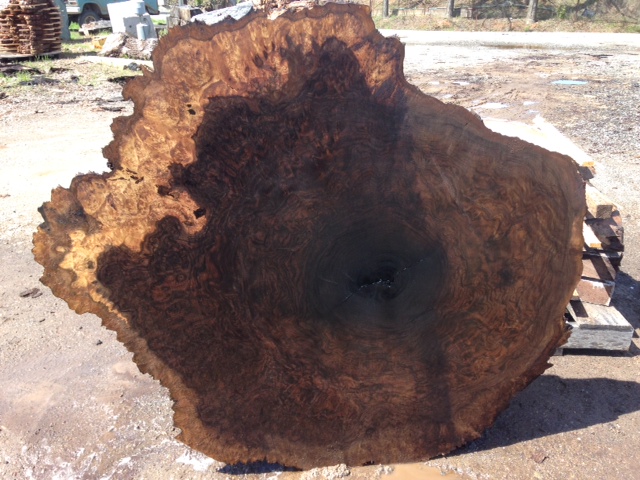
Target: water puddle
[(403, 471), (569, 82), (418, 472), (492, 106), (514, 46)]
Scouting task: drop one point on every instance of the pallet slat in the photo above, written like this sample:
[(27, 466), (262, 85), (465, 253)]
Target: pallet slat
[(598, 279), (598, 267), (595, 292), (595, 324), (598, 205), (597, 327), (609, 231)]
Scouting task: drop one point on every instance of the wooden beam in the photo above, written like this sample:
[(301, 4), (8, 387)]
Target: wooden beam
[(598, 205), (595, 292), (597, 327), (598, 267), (609, 231)]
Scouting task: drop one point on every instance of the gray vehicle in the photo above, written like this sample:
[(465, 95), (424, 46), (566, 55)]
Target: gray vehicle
[(87, 11)]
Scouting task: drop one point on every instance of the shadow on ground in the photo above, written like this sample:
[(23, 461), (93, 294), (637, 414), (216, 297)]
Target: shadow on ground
[(626, 298), (552, 405), (255, 468)]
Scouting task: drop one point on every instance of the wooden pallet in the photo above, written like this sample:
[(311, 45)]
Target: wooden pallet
[(595, 323), (597, 327), (27, 56)]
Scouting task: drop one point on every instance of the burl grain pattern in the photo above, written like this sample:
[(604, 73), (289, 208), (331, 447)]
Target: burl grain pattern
[(322, 264)]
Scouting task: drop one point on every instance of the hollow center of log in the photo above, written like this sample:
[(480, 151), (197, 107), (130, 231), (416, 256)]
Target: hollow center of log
[(379, 283), (376, 273)]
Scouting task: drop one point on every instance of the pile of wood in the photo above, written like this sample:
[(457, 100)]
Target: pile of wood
[(603, 234), (184, 14), (94, 28), (29, 27), (181, 15), (122, 45), (597, 324)]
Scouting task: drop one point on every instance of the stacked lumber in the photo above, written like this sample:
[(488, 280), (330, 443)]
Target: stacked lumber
[(596, 324), (29, 27), (603, 248)]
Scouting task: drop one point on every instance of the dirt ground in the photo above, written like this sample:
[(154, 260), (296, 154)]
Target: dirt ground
[(74, 405)]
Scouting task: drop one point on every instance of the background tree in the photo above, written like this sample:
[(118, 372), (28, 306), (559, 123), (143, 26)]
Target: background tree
[(531, 13), (450, 5)]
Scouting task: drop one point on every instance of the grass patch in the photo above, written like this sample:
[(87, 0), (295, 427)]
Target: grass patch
[(17, 80), (82, 45), (101, 73), (42, 64)]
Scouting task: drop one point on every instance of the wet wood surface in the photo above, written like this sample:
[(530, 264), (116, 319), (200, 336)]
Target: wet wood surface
[(322, 264)]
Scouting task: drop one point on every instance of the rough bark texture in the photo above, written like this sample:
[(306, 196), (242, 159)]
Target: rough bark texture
[(532, 11), (322, 264)]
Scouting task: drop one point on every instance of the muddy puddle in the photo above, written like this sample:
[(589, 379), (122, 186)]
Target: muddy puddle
[(405, 471), (418, 471)]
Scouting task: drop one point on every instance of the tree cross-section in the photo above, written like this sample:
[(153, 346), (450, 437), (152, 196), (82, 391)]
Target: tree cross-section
[(321, 263)]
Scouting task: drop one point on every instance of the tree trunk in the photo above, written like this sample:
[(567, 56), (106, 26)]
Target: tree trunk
[(321, 263), (385, 8), (65, 34), (450, 8), (532, 11)]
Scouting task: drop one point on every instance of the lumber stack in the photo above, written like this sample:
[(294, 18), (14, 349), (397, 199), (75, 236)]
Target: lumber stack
[(596, 323), (29, 27), (603, 248)]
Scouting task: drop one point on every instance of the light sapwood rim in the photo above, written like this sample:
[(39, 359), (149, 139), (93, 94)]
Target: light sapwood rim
[(322, 264)]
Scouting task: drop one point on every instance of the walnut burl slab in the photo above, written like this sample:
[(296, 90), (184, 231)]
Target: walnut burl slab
[(321, 263)]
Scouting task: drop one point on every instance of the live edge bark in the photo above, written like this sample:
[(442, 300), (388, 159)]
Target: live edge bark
[(322, 264)]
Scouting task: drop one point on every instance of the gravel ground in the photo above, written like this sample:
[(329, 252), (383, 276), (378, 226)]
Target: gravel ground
[(75, 406)]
